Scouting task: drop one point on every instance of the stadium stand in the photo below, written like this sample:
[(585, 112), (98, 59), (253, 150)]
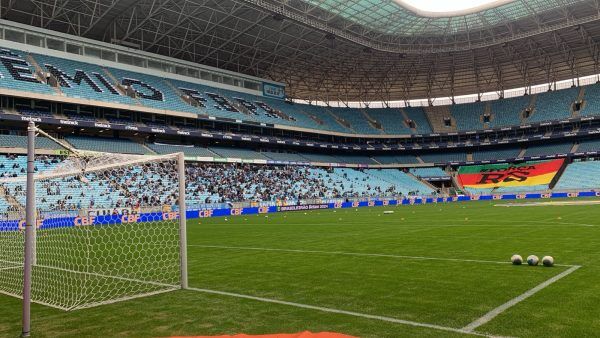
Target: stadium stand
[(554, 105), (548, 149), (187, 150), (417, 114), (19, 74), (113, 145), (391, 120), (237, 152), (468, 116), (393, 159), (17, 141), (589, 145), (444, 157), (82, 80), (591, 100), (152, 91), (486, 154), (508, 112), (428, 172), (357, 120), (580, 175)]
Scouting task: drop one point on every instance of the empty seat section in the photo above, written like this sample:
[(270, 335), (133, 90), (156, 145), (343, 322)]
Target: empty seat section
[(187, 150), (429, 172), (589, 145), (328, 122), (241, 153), (591, 100), (108, 145), (354, 159), (391, 119), (507, 112), (444, 157), (357, 120), (554, 105), (468, 116), (17, 141), (580, 175), (548, 149), (488, 154), (396, 159), (417, 114), (284, 156)]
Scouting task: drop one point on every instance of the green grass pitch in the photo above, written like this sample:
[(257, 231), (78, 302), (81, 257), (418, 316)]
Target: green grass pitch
[(366, 262)]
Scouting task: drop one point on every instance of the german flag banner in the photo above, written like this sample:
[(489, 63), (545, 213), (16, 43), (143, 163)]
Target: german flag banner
[(509, 175)]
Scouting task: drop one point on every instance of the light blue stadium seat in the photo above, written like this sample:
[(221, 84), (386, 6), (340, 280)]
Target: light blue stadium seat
[(549, 149), (487, 154), (391, 120), (591, 100), (109, 145), (579, 176), (507, 112), (554, 105), (468, 116)]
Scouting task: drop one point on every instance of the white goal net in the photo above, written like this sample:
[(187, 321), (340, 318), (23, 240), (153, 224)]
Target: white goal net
[(108, 228)]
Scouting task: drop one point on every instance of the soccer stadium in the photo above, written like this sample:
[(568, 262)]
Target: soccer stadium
[(299, 168)]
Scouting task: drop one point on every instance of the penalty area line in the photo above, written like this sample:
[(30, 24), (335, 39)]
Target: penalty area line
[(500, 309), (344, 312)]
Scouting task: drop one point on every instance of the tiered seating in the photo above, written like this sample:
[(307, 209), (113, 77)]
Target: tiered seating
[(152, 90), (119, 146), (391, 120), (403, 183), (17, 141), (487, 154), (93, 82), (591, 101), (429, 172), (468, 116), (354, 159), (548, 149), (324, 158), (589, 145), (580, 175), (444, 157), (20, 80), (187, 150), (284, 156), (330, 123), (417, 114), (507, 112), (357, 120), (207, 98), (237, 153), (396, 159), (554, 105)]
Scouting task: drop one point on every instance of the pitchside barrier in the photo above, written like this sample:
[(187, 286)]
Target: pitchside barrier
[(81, 221)]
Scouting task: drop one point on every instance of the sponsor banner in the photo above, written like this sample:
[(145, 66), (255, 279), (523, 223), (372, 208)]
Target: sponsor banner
[(303, 207), (509, 175), (169, 214)]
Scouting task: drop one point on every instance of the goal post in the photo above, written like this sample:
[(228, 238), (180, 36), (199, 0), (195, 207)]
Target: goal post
[(109, 227)]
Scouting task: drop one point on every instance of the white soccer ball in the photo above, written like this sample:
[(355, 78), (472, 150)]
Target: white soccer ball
[(516, 260), (533, 260), (548, 261)]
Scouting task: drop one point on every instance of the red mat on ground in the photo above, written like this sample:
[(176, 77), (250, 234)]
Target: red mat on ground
[(305, 334)]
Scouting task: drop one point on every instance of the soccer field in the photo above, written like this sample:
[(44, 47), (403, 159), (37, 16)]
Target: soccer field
[(431, 270)]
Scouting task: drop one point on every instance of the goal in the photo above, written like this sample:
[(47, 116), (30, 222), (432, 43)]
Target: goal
[(92, 228)]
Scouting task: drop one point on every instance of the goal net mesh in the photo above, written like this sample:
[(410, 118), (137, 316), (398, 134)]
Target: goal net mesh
[(107, 229)]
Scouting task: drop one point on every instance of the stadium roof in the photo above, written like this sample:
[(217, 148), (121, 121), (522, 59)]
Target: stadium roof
[(349, 50)]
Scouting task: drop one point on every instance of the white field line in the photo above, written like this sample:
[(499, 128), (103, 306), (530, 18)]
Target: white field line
[(10, 267), (343, 312), (344, 253), (497, 311)]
